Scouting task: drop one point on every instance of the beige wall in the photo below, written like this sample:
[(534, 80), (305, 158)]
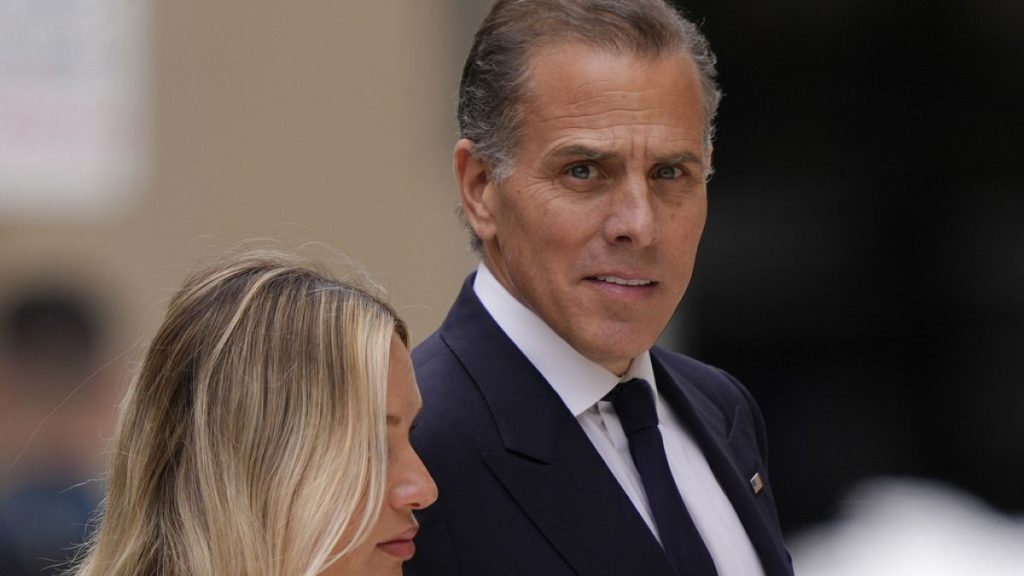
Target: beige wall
[(327, 121)]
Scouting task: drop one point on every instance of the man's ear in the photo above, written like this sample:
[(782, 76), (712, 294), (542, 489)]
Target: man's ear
[(476, 191)]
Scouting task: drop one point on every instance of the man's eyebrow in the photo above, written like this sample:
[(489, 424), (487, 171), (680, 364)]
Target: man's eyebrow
[(580, 151), (587, 153), (683, 158)]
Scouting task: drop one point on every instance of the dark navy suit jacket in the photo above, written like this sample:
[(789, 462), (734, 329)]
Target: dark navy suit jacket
[(522, 490)]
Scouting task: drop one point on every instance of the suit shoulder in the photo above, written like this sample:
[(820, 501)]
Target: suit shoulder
[(711, 381), (428, 349), (715, 384), (449, 394), (433, 360)]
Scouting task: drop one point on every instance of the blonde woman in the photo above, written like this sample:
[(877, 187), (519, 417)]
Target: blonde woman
[(266, 434)]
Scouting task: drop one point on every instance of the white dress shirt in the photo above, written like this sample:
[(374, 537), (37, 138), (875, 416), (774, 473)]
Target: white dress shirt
[(581, 384)]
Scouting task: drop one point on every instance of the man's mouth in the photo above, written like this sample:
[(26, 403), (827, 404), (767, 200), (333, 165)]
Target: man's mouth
[(624, 281)]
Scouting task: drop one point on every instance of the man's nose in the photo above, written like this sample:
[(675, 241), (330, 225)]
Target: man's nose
[(631, 217)]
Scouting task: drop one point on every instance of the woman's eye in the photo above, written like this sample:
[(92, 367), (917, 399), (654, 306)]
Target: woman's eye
[(668, 172), (581, 171)]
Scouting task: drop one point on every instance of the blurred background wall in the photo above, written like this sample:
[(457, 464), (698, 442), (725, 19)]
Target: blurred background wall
[(326, 122), (861, 272), (863, 265)]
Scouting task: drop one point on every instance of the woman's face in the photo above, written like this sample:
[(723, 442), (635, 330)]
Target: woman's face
[(409, 485)]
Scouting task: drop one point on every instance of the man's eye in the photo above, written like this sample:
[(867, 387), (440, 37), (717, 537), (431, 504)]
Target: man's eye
[(668, 172), (581, 171)]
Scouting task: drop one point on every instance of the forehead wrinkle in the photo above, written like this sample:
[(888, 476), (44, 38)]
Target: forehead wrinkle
[(587, 108), (584, 93), (618, 129), (656, 120)]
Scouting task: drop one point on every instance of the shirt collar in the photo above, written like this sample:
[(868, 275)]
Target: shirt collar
[(578, 381)]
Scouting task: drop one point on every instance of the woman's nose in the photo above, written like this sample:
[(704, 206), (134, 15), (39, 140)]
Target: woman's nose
[(416, 488)]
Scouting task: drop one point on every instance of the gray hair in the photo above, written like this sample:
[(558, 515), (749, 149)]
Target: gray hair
[(495, 77)]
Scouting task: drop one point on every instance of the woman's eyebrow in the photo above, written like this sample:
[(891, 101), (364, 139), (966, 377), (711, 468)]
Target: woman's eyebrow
[(395, 419)]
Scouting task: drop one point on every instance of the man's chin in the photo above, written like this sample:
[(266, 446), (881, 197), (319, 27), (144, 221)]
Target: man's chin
[(615, 360)]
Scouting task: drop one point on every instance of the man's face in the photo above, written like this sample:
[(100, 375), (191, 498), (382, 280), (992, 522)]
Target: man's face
[(596, 228)]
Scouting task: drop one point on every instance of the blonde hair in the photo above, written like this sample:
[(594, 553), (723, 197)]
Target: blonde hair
[(253, 437)]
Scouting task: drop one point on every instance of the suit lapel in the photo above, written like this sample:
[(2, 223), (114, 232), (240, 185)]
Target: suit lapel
[(711, 428), (548, 464)]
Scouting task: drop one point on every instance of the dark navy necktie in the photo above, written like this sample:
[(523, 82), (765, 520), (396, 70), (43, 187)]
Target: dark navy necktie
[(634, 403)]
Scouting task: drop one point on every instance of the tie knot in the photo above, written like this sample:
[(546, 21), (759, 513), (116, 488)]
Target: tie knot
[(634, 403)]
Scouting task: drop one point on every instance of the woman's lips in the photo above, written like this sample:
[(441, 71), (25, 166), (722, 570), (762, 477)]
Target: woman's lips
[(401, 547)]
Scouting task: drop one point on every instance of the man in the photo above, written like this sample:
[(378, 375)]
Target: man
[(586, 144)]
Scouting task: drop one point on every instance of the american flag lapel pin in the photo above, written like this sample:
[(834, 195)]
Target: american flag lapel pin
[(756, 483)]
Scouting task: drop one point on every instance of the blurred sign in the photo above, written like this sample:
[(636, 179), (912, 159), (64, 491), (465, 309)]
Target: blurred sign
[(72, 137)]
